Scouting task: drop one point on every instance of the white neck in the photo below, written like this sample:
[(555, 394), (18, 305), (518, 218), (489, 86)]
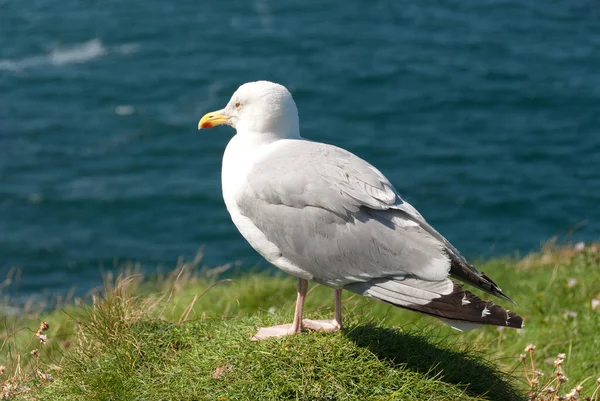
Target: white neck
[(278, 131), (258, 139), (241, 152)]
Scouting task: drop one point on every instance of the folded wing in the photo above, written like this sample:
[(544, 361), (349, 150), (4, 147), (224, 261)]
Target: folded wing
[(339, 219)]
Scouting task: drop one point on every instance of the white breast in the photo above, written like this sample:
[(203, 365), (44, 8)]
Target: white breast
[(240, 155)]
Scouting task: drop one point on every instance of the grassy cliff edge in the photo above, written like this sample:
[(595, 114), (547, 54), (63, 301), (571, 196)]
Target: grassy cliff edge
[(186, 337)]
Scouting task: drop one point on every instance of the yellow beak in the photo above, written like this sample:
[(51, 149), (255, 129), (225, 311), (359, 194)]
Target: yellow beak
[(213, 119)]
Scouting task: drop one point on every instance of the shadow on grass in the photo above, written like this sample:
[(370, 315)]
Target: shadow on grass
[(411, 351)]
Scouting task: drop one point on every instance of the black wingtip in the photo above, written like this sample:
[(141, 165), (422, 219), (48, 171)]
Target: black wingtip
[(495, 290), (468, 274), (464, 306)]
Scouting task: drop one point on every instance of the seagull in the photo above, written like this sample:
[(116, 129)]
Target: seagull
[(319, 212)]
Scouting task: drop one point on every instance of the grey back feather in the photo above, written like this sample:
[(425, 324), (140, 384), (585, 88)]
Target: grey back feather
[(305, 173), (337, 217)]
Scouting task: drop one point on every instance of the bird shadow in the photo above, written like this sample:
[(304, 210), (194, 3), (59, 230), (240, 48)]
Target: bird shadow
[(468, 369)]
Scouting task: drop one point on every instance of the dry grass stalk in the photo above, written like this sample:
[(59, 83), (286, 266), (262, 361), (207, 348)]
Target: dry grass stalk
[(553, 389)]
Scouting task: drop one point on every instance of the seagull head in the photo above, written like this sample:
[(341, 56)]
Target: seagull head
[(258, 107)]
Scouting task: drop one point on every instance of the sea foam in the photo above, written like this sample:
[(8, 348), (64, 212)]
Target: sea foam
[(63, 55)]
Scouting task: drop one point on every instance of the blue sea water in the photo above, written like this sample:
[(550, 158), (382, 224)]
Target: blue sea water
[(484, 114)]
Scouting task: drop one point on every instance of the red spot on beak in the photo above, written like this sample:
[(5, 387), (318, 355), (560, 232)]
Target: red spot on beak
[(206, 124)]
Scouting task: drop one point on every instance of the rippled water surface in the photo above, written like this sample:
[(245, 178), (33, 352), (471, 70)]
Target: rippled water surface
[(484, 114)]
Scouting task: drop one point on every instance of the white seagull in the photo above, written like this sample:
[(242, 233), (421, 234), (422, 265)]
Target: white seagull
[(319, 212)]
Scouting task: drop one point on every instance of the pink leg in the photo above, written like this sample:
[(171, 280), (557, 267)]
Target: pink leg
[(328, 325), (302, 288), (338, 307), (287, 329)]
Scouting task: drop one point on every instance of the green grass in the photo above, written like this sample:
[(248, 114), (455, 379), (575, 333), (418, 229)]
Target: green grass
[(186, 337)]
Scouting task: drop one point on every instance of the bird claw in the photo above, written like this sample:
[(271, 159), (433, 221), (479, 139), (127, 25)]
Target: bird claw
[(282, 330), (327, 326)]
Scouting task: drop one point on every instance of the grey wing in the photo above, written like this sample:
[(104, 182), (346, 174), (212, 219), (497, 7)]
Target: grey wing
[(337, 218), (340, 219), (304, 173)]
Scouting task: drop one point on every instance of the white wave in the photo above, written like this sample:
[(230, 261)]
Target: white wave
[(265, 15), (79, 53), (128, 48), (63, 55), (124, 110)]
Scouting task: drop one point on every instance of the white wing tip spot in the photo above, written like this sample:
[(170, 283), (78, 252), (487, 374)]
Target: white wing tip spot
[(464, 300), (485, 312)]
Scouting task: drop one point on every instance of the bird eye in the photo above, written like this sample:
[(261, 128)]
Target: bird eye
[(238, 105)]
